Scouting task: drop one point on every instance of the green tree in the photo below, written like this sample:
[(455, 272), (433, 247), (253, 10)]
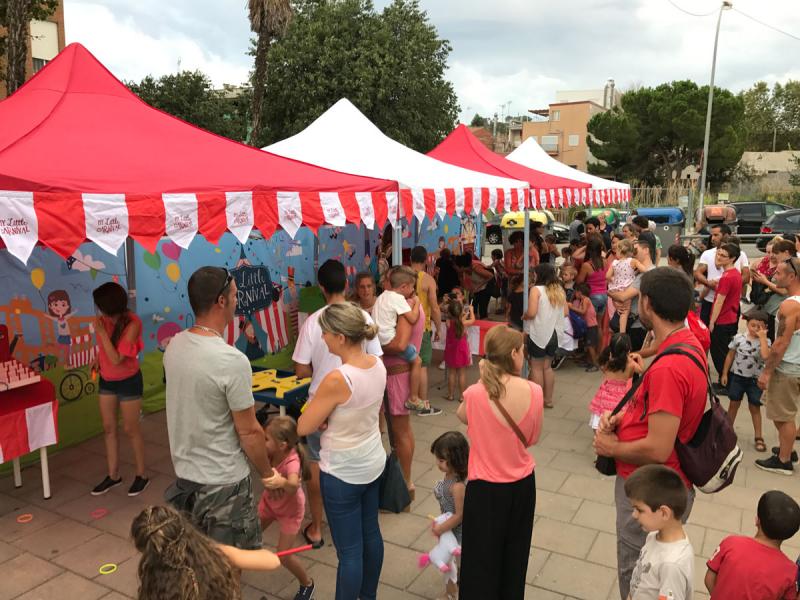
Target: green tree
[(268, 20), (772, 117), (15, 18), (478, 121), (390, 65), (659, 131), (190, 96), (794, 174)]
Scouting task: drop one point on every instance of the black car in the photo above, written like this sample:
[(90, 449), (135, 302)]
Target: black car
[(787, 221), (750, 216)]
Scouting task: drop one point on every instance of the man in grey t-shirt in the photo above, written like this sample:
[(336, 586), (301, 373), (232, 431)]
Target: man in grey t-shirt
[(211, 418)]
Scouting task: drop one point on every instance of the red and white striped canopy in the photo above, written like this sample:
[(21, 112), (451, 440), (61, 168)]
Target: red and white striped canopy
[(82, 158)]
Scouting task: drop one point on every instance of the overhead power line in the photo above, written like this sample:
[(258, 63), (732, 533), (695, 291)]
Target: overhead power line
[(708, 14), (767, 25)]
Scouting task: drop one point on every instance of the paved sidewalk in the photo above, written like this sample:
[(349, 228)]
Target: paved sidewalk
[(58, 553)]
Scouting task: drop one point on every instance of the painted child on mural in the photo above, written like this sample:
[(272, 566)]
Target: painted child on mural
[(59, 310)]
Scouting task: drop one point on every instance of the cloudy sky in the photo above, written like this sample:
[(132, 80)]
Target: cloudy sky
[(521, 51)]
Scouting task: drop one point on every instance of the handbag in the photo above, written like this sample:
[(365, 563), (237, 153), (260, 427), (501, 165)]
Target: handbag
[(393, 493), (710, 458)]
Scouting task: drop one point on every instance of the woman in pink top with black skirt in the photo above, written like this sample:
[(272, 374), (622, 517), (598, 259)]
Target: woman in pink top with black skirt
[(503, 413)]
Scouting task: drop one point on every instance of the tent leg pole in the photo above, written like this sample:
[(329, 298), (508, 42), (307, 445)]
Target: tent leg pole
[(397, 243), (525, 273), (130, 272)]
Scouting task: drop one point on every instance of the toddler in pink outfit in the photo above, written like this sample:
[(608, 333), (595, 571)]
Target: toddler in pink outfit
[(618, 368), (283, 500)]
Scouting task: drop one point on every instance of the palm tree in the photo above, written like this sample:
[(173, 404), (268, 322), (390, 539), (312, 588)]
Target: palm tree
[(268, 20), (18, 19)]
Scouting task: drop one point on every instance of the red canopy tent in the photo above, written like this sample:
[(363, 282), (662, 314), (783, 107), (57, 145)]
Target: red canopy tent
[(462, 148), (82, 157)]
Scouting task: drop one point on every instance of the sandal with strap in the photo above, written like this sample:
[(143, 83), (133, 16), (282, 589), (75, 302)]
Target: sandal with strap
[(760, 445)]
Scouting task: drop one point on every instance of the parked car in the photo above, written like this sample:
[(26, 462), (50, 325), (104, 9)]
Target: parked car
[(787, 221), (752, 215), (561, 231)]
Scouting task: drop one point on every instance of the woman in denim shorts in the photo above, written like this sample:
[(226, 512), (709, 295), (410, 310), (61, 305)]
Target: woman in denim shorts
[(119, 341)]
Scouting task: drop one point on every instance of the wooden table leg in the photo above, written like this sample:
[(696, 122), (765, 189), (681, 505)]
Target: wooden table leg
[(45, 473), (17, 473)]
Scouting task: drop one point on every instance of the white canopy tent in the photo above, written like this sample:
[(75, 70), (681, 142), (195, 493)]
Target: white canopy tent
[(530, 154), (342, 138)]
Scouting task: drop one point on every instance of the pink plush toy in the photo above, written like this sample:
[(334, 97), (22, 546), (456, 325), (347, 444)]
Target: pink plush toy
[(444, 553)]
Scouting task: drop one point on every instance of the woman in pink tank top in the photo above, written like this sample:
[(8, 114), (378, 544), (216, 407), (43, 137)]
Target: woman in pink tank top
[(503, 413)]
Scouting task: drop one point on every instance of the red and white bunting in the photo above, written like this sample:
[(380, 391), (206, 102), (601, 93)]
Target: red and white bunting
[(393, 206), (365, 208), (181, 218), (332, 209), (239, 213), (55, 218), (459, 202), (106, 220), (418, 208), (290, 212), (19, 226), (441, 203)]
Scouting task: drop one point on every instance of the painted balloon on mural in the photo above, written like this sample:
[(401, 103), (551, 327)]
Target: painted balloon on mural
[(37, 278), (152, 260), (171, 250), (173, 272)]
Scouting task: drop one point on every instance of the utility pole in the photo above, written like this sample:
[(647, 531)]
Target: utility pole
[(725, 6)]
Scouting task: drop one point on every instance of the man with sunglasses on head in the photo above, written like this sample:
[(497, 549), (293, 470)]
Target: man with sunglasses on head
[(211, 419), (781, 375)]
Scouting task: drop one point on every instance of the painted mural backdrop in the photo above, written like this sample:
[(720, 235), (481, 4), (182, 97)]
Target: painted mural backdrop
[(48, 308)]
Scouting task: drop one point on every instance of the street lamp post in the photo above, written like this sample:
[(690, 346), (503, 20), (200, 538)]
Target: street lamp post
[(725, 5)]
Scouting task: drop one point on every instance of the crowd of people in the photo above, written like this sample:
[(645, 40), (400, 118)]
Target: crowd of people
[(601, 302)]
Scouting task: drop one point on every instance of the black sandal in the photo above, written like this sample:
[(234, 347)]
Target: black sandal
[(316, 543), (760, 445)]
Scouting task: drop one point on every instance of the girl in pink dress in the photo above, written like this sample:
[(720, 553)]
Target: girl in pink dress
[(283, 499), (618, 369), (457, 356)]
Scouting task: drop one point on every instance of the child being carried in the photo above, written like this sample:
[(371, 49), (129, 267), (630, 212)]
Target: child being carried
[(398, 301), (620, 277)]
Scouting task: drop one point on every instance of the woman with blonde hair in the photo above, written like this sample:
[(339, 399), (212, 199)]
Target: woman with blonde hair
[(352, 458), (503, 414), (547, 306)]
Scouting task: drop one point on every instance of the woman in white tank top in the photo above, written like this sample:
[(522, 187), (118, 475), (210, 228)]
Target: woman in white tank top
[(346, 407), (546, 309)]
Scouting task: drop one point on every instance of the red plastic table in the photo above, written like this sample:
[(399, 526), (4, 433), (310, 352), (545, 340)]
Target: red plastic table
[(28, 422)]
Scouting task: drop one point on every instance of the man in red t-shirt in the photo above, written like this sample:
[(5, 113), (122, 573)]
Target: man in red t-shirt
[(668, 405), (755, 568), (724, 321)]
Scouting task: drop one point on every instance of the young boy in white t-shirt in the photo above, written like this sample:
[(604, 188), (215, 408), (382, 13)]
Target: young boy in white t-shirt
[(665, 568), (398, 301)]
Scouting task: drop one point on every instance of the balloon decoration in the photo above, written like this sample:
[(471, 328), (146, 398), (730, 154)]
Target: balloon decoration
[(37, 278), (173, 272), (152, 260), (171, 250)]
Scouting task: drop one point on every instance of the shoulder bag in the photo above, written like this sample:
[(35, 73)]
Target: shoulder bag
[(393, 493), (710, 458)]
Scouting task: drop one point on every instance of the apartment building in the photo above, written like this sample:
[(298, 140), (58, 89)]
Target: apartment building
[(45, 41), (561, 128)]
